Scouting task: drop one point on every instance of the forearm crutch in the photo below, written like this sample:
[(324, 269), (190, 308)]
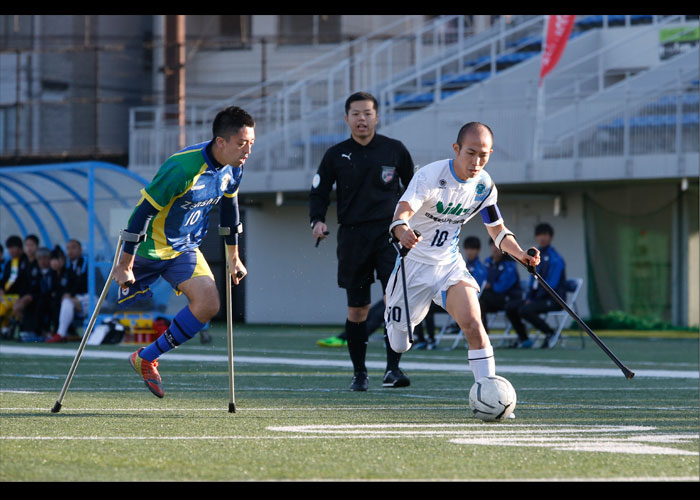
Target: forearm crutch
[(402, 251), (226, 231), (531, 269), (123, 237)]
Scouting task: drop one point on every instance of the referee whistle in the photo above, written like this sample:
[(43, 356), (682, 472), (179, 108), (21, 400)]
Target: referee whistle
[(318, 240)]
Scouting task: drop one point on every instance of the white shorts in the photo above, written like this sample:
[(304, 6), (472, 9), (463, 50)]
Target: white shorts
[(424, 283)]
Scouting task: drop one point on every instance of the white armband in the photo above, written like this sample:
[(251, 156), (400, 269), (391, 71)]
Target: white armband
[(501, 235)]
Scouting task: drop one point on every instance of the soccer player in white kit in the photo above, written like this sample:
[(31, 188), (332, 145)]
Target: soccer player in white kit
[(439, 200)]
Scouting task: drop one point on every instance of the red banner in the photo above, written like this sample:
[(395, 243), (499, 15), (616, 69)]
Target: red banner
[(558, 32)]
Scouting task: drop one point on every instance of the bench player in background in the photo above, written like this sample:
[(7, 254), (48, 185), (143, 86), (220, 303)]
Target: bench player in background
[(441, 197), (173, 214)]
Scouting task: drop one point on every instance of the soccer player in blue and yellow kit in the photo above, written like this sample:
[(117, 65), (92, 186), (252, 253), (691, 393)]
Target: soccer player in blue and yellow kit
[(173, 214)]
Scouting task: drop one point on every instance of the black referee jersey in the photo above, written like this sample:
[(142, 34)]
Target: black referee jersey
[(366, 177)]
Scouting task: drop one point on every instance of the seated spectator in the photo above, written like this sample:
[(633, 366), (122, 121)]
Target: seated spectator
[(502, 283), (75, 302), (23, 305), (36, 313), (552, 268), (54, 284), (425, 331), (472, 247), (14, 283)]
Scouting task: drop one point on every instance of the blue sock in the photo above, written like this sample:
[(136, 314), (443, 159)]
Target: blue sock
[(183, 328)]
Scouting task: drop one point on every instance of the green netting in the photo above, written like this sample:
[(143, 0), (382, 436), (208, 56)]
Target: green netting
[(630, 241)]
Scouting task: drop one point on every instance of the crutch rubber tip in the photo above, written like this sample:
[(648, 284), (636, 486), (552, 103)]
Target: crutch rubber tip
[(232, 407), (56, 408)]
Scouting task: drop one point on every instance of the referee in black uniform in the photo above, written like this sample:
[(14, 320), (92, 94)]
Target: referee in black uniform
[(370, 171)]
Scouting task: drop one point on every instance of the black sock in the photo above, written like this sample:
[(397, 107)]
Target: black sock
[(357, 344), (392, 357)]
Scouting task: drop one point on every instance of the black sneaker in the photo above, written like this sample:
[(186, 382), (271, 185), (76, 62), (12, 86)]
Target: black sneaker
[(360, 382), (395, 378)]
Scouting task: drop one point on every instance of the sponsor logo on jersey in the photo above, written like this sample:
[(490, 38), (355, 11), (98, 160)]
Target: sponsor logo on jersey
[(316, 181), (450, 210), (448, 220), (189, 205), (442, 183), (224, 182), (346, 156)]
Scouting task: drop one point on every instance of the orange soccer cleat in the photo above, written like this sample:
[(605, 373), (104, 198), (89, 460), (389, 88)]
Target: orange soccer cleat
[(148, 371)]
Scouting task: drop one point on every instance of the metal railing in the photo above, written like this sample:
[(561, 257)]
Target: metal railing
[(319, 84)]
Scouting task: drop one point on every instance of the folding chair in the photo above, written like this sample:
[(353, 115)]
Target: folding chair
[(560, 318)]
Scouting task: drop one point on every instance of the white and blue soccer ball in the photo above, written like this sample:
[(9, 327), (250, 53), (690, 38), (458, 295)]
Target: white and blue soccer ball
[(492, 398)]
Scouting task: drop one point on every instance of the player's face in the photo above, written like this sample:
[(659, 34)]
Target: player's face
[(57, 263), (30, 247), (473, 154), (362, 119), (14, 251), (237, 148), (471, 253), (73, 250), (44, 261), (543, 240)]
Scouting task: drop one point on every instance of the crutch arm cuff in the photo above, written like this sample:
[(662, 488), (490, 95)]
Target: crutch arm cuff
[(501, 236), (131, 240), (397, 222), (230, 234), (132, 237)]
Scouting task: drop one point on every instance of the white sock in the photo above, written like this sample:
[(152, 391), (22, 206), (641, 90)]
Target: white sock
[(65, 316), (482, 362)]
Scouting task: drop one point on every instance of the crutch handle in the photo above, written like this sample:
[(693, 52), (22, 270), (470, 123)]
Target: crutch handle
[(531, 252), (404, 251)]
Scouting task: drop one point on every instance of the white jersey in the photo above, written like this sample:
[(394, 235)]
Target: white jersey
[(443, 203)]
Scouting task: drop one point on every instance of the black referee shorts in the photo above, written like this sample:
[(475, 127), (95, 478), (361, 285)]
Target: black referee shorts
[(363, 251)]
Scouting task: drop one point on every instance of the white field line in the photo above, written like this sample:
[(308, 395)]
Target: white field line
[(607, 439), (379, 365)]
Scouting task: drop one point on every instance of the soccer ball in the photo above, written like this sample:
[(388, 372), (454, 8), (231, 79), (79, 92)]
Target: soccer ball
[(492, 398)]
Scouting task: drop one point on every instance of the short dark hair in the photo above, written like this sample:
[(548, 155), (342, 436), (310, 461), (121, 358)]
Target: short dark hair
[(32, 237), (361, 96), (544, 228), (13, 241), (468, 127), (230, 120), (57, 253), (472, 242)]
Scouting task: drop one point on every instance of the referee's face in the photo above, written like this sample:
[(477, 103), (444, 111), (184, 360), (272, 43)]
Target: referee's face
[(473, 154), (362, 119)]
